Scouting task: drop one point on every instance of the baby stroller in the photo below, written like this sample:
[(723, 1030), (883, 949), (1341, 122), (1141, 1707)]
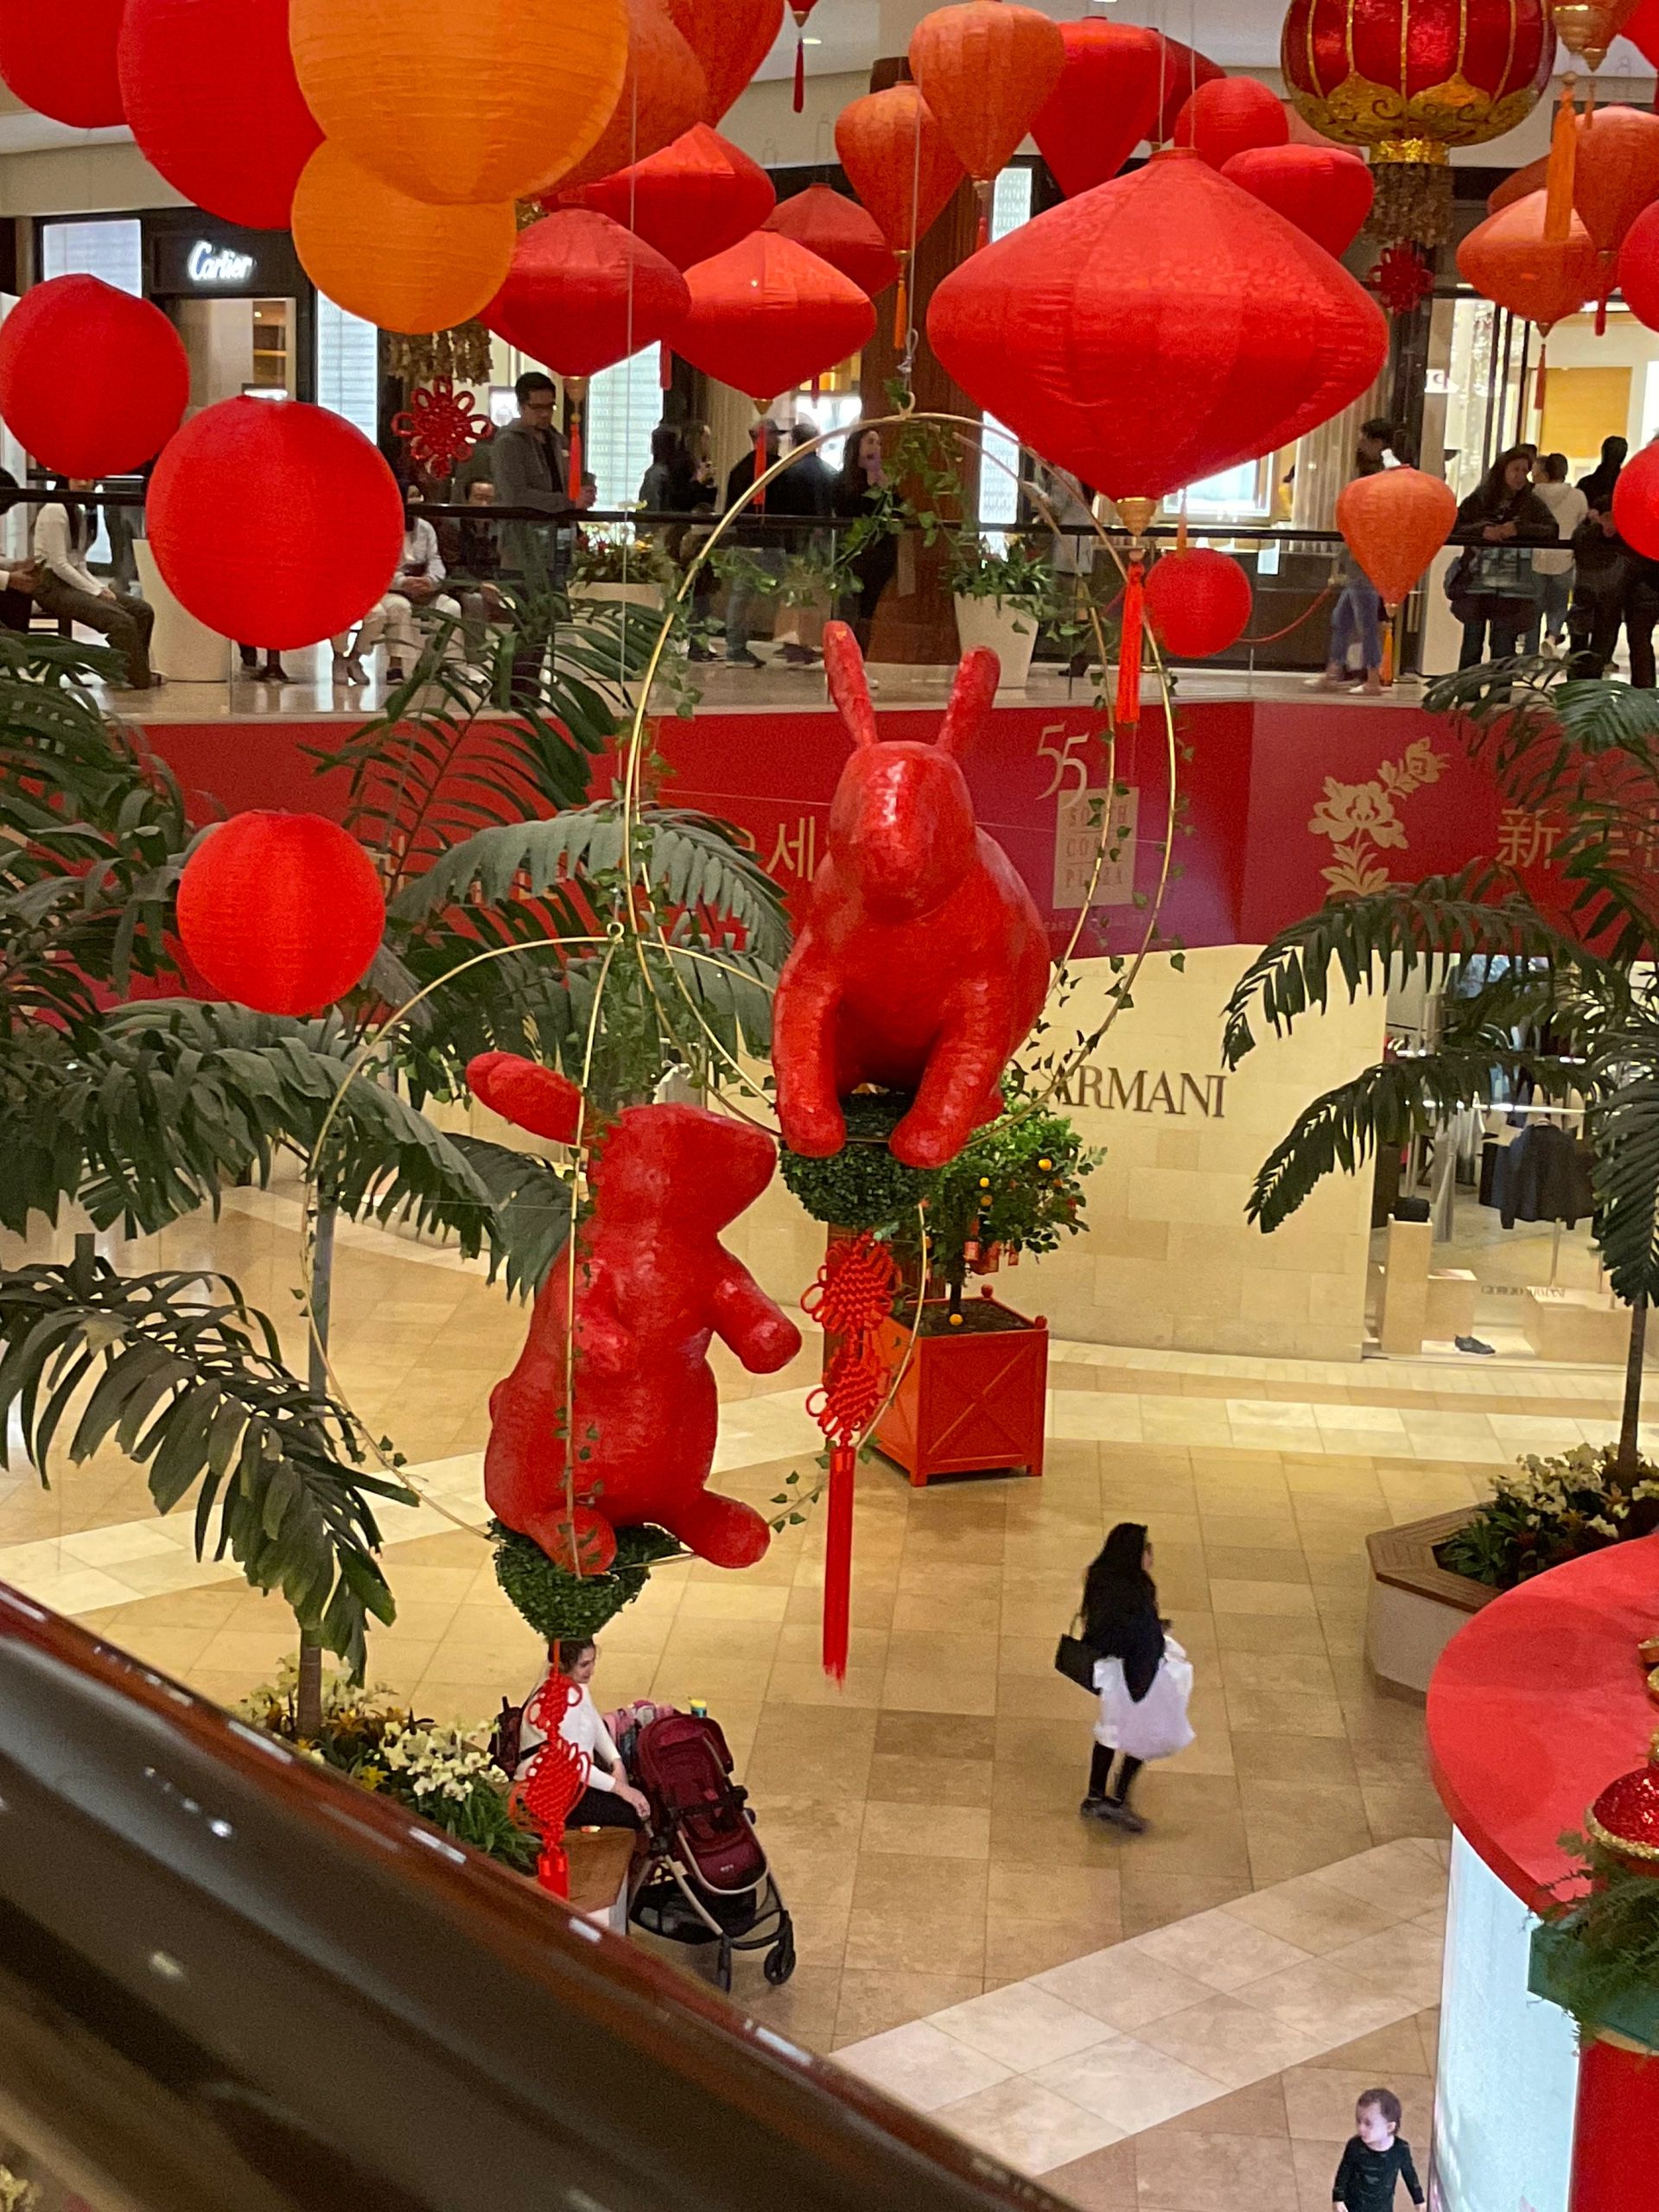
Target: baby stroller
[(709, 1881)]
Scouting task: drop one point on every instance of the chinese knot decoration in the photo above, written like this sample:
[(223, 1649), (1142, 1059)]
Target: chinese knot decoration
[(850, 1300), (555, 1779), (442, 426), (1401, 277)]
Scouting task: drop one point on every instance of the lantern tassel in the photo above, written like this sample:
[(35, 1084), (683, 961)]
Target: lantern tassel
[(575, 458), (1563, 166), (838, 1561), (1127, 715), (1543, 372), (665, 366), (800, 73), (901, 305), (983, 237), (760, 464)]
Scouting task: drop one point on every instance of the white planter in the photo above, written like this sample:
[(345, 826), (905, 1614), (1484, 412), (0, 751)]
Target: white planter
[(616, 595), (1009, 630), (1416, 1606)]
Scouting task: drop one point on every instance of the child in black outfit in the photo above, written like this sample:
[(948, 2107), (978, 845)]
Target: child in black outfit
[(1374, 2159)]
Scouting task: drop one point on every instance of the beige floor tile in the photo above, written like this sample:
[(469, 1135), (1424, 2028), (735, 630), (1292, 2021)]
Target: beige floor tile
[(1128, 2082), (1123, 1986), (921, 2066), (924, 1831), (1028, 2126), (871, 2002), (1324, 2001), (1176, 2169), (1025, 2027), (1103, 2182), (1234, 2042), (1218, 1949)]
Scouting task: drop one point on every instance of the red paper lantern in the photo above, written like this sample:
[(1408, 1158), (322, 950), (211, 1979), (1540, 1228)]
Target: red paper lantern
[(1184, 70), (1643, 30), (1615, 176), (1518, 184), (1324, 191), (664, 94), (839, 232), (275, 520), (767, 315), (60, 62), (690, 202), (1395, 522), (1197, 602), (282, 913), (92, 382), (1638, 268), (731, 39), (1159, 329), (1108, 101), (215, 106), (1229, 116), (898, 162), (583, 294), (1508, 258), (986, 68), (1636, 502)]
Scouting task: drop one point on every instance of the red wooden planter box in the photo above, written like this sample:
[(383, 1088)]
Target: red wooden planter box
[(969, 1400)]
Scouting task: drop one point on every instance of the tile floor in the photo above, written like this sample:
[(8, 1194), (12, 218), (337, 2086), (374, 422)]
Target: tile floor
[(923, 1821)]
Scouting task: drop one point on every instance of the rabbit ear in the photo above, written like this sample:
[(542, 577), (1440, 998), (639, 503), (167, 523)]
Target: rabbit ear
[(843, 665), (971, 700), (530, 1096)]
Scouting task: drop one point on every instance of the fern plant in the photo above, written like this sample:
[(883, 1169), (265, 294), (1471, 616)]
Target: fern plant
[(1587, 753)]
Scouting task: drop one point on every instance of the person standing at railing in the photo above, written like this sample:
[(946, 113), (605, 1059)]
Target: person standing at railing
[(1553, 565), (759, 552), (18, 578), (67, 588), (1492, 587), (1601, 579), (1356, 620), (657, 485), (531, 464), (862, 496)]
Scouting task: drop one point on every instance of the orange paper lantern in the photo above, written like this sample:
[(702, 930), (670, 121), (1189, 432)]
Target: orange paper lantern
[(275, 520), (1197, 602), (282, 913), (1229, 116), (92, 382), (986, 68), (839, 232), (62, 61), (767, 315), (1508, 259), (898, 162), (1108, 99), (664, 94), (690, 202), (430, 267), (1184, 70), (583, 294), (1395, 522), (731, 39), (1615, 176), (213, 102), (1326, 191), (519, 97), (1532, 178)]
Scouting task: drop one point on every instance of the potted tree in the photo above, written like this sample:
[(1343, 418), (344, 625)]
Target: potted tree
[(1584, 755)]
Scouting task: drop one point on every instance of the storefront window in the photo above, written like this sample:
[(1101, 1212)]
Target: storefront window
[(625, 405), (998, 471), (113, 249), (348, 365)]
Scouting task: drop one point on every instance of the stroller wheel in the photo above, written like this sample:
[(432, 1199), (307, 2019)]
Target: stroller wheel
[(724, 1969), (779, 1962)]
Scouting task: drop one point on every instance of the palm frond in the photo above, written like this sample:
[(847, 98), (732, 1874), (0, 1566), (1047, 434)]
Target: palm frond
[(187, 1380)]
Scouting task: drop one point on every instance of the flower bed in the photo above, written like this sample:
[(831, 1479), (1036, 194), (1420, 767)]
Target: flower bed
[(1548, 1510)]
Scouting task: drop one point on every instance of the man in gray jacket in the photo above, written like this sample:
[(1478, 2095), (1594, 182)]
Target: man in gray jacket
[(532, 467)]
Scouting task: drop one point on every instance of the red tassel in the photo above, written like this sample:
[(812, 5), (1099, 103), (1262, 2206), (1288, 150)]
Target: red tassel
[(838, 1561), (1601, 316), (1543, 372), (901, 305), (1128, 651), (575, 458), (800, 73), (759, 465), (665, 366)]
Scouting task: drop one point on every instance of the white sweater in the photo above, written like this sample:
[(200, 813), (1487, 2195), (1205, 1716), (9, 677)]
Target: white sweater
[(61, 556), (421, 554), (583, 1726)]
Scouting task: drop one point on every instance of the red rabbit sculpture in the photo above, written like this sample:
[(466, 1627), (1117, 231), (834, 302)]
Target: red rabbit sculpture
[(653, 1285), (923, 961)]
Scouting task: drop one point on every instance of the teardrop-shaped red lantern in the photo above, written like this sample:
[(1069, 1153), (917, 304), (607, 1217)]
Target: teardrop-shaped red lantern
[(1229, 115), (1518, 184), (583, 294), (664, 94), (1394, 524), (1636, 502), (690, 202), (1508, 258), (92, 382), (986, 68), (1184, 70), (1638, 268), (1157, 330), (1109, 99), (1615, 176), (838, 231), (731, 39), (766, 316), (282, 913), (1197, 602), (215, 103), (62, 61), (1325, 190), (898, 162)]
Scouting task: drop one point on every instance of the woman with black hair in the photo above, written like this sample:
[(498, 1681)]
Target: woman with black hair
[(861, 494), (1144, 1678), (1494, 585), (1600, 483)]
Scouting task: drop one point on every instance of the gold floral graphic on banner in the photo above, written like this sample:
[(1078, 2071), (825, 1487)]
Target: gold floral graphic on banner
[(1361, 821)]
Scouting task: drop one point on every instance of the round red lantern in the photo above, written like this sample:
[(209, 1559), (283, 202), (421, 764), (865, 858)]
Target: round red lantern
[(60, 62), (1326, 193), (1638, 268), (1508, 258), (215, 106), (839, 232), (731, 39), (898, 162), (1159, 329), (690, 202), (1643, 30), (1226, 116), (664, 94), (583, 294), (282, 913), (1395, 522), (1197, 602), (274, 519), (1109, 99), (1615, 176), (92, 382), (1184, 70), (766, 316), (1636, 502)]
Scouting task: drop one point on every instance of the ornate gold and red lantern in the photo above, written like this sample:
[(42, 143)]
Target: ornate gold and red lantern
[(1409, 79)]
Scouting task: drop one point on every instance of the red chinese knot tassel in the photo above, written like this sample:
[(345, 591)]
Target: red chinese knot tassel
[(575, 459), (849, 1301), (760, 464), (800, 72), (1127, 715), (556, 1777)]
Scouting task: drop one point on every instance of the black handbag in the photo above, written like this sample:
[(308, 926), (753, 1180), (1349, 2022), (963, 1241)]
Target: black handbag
[(1076, 1660)]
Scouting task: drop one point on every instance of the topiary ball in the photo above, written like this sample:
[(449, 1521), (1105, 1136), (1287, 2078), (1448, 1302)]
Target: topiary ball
[(563, 1607), (862, 1186)]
